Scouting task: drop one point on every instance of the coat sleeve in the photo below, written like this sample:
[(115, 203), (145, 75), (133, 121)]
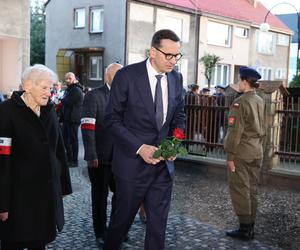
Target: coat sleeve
[(88, 126), (65, 179), (178, 120), (75, 95), (114, 115), (235, 130), (6, 149)]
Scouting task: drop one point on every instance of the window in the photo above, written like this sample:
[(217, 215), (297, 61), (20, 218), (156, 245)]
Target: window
[(266, 42), (219, 34), (280, 73), (283, 40), (174, 24), (242, 32), (96, 20), (79, 18), (96, 68), (266, 73), (221, 75)]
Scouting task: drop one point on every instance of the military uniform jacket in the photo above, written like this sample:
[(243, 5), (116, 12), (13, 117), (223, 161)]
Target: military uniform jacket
[(246, 128), (96, 139), (33, 172)]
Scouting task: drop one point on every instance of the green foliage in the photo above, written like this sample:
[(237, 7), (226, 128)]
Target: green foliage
[(170, 147), (295, 83), (37, 33), (209, 61)]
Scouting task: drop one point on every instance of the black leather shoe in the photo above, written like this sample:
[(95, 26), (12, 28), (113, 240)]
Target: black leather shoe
[(244, 232), (126, 238)]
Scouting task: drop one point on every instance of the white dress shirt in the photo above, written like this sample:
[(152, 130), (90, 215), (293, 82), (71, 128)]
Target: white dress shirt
[(164, 86)]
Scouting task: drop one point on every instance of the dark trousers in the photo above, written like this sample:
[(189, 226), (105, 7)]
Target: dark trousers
[(101, 181), (31, 245), (155, 192), (70, 135)]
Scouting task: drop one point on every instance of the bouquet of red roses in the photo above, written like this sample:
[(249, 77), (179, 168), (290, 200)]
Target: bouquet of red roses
[(171, 146)]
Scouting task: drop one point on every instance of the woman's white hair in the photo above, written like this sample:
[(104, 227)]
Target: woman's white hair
[(37, 73)]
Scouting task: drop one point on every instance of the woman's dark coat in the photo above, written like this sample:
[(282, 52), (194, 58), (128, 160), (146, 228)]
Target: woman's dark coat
[(33, 175)]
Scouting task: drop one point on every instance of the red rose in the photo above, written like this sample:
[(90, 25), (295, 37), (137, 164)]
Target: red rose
[(178, 134)]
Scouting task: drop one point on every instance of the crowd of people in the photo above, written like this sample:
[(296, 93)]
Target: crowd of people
[(123, 123)]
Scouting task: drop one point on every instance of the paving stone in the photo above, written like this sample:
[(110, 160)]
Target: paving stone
[(182, 232)]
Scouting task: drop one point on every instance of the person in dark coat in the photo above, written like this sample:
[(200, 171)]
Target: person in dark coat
[(72, 109), (192, 99), (98, 148), (33, 169)]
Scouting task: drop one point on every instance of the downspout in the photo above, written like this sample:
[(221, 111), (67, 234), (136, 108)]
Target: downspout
[(126, 30), (197, 40)]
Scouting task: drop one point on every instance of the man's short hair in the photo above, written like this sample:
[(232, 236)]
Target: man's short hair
[(163, 34)]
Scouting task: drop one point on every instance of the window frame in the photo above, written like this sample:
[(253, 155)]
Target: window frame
[(75, 18), (99, 68), (229, 35), (101, 27), (278, 42), (241, 36), (263, 71), (214, 79), (258, 47)]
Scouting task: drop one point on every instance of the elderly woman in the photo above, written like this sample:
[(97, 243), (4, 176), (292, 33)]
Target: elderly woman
[(33, 170)]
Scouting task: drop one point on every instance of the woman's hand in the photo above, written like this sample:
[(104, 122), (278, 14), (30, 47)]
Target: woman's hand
[(4, 216)]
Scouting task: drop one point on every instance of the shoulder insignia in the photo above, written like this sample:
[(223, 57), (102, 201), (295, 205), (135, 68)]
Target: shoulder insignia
[(231, 120)]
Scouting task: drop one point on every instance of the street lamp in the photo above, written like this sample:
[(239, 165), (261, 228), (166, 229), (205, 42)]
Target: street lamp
[(266, 27)]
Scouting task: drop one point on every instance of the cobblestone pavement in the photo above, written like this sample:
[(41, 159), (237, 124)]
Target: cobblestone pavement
[(183, 232)]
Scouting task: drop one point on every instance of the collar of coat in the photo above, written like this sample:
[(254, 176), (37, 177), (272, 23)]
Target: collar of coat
[(16, 98)]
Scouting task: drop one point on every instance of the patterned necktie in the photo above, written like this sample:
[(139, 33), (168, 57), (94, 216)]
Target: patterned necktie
[(158, 100)]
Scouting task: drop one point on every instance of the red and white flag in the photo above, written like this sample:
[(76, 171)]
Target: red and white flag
[(88, 123), (5, 146)]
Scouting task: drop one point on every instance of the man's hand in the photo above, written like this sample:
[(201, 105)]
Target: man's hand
[(93, 163), (146, 152), (3, 216), (231, 166)]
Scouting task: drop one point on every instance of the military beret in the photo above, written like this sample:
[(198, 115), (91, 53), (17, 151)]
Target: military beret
[(205, 90), (193, 85), (249, 72), (220, 87)]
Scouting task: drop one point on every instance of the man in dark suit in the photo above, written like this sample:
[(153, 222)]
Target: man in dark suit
[(145, 106), (98, 149)]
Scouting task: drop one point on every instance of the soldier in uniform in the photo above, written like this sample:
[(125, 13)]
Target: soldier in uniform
[(243, 145), (98, 147)]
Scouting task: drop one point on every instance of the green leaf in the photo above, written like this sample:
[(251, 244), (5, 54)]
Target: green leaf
[(182, 151), (157, 154)]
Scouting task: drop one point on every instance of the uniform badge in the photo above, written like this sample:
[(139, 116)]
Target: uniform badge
[(231, 120)]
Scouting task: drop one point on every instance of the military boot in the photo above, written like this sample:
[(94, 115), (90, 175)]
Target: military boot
[(244, 232)]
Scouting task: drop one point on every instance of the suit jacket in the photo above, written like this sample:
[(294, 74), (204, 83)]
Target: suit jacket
[(96, 138), (130, 116)]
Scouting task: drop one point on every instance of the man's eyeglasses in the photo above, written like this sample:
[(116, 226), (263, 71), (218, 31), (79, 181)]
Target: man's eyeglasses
[(169, 56)]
